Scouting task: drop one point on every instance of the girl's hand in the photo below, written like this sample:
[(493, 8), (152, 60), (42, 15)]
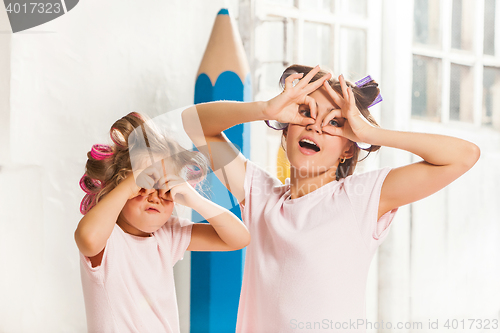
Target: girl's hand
[(285, 107), (356, 127), (131, 186), (183, 193), (148, 181)]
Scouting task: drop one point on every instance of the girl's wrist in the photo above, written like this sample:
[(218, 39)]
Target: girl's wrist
[(373, 135), (129, 186), (261, 110)]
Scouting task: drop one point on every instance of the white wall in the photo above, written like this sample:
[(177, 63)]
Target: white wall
[(62, 85)]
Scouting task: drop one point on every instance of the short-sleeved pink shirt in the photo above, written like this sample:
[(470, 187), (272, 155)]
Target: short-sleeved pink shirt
[(133, 288), (308, 260)]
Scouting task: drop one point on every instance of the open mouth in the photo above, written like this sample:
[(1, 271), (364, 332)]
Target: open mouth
[(309, 145)]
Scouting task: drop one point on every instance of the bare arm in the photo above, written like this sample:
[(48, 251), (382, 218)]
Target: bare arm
[(444, 160), (96, 226), (224, 232), (204, 124)]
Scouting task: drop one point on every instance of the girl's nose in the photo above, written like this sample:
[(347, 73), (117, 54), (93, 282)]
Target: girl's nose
[(315, 127), (154, 197)]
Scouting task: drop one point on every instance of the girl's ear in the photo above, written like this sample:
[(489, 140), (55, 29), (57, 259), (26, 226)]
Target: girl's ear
[(349, 150)]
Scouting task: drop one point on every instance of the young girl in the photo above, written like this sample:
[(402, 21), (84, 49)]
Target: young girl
[(128, 239), (313, 238)]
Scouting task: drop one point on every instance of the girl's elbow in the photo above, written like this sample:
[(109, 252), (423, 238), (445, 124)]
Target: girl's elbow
[(246, 241), (472, 155), (242, 242), (86, 245)]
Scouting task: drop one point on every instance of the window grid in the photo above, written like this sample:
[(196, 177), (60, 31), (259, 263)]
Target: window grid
[(476, 59), (297, 16)]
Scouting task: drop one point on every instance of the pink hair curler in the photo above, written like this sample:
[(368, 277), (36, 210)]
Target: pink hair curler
[(87, 203), (192, 173), (87, 183), (101, 152)]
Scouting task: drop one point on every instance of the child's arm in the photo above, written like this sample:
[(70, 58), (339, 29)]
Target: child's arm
[(445, 158), (224, 232), (96, 226), (204, 124)]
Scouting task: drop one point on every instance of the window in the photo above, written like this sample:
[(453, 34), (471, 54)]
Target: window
[(336, 34), (456, 61), (332, 33)]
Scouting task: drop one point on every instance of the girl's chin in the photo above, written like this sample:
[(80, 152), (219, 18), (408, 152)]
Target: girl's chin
[(306, 170)]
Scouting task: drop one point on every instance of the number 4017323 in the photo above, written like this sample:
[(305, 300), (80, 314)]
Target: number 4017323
[(34, 8)]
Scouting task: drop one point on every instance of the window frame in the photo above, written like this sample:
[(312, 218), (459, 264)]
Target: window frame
[(476, 59)]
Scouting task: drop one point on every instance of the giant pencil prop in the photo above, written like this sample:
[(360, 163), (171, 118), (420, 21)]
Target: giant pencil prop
[(216, 277)]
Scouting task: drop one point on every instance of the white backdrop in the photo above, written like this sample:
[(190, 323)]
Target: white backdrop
[(62, 85)]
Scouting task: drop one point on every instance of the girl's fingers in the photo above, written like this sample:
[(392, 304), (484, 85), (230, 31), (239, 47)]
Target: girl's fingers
[(343, 85), (145, 192), (160, 184), (292, 77), (174, 182), (333, 94), (352, 100), (316, 84), (308, 77), (312, 107), (146, 183), (337, 131), (327, 119)]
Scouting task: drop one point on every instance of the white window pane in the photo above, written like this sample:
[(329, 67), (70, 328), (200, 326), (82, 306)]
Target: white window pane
[(426, 88), (269, 39), (317, 45), (353, 53), (461, 93), (269, 76), (491, 97), (489, 27), (355, 7), (318, 4), (462, 25), (427, 23), (282, 2)]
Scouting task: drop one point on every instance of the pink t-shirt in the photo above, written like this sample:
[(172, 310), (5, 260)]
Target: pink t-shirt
[(307, 263), (133, 288)]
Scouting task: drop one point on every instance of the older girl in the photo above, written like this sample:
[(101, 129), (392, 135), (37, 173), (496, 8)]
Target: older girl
[(313, 238)]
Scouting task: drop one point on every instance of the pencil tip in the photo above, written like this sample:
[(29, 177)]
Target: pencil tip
[(223, 11)]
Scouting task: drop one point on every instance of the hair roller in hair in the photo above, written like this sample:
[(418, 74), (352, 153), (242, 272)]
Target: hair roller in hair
[(87, 203), (285, 75), (101, 152), (192, 174), (118, 138), (363, 82), (89, 185)]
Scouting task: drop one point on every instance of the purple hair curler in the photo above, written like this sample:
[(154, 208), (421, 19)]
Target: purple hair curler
[(363, 82)]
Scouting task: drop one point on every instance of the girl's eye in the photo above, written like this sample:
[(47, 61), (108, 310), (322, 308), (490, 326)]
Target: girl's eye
[(305, 113), (333, 122)]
